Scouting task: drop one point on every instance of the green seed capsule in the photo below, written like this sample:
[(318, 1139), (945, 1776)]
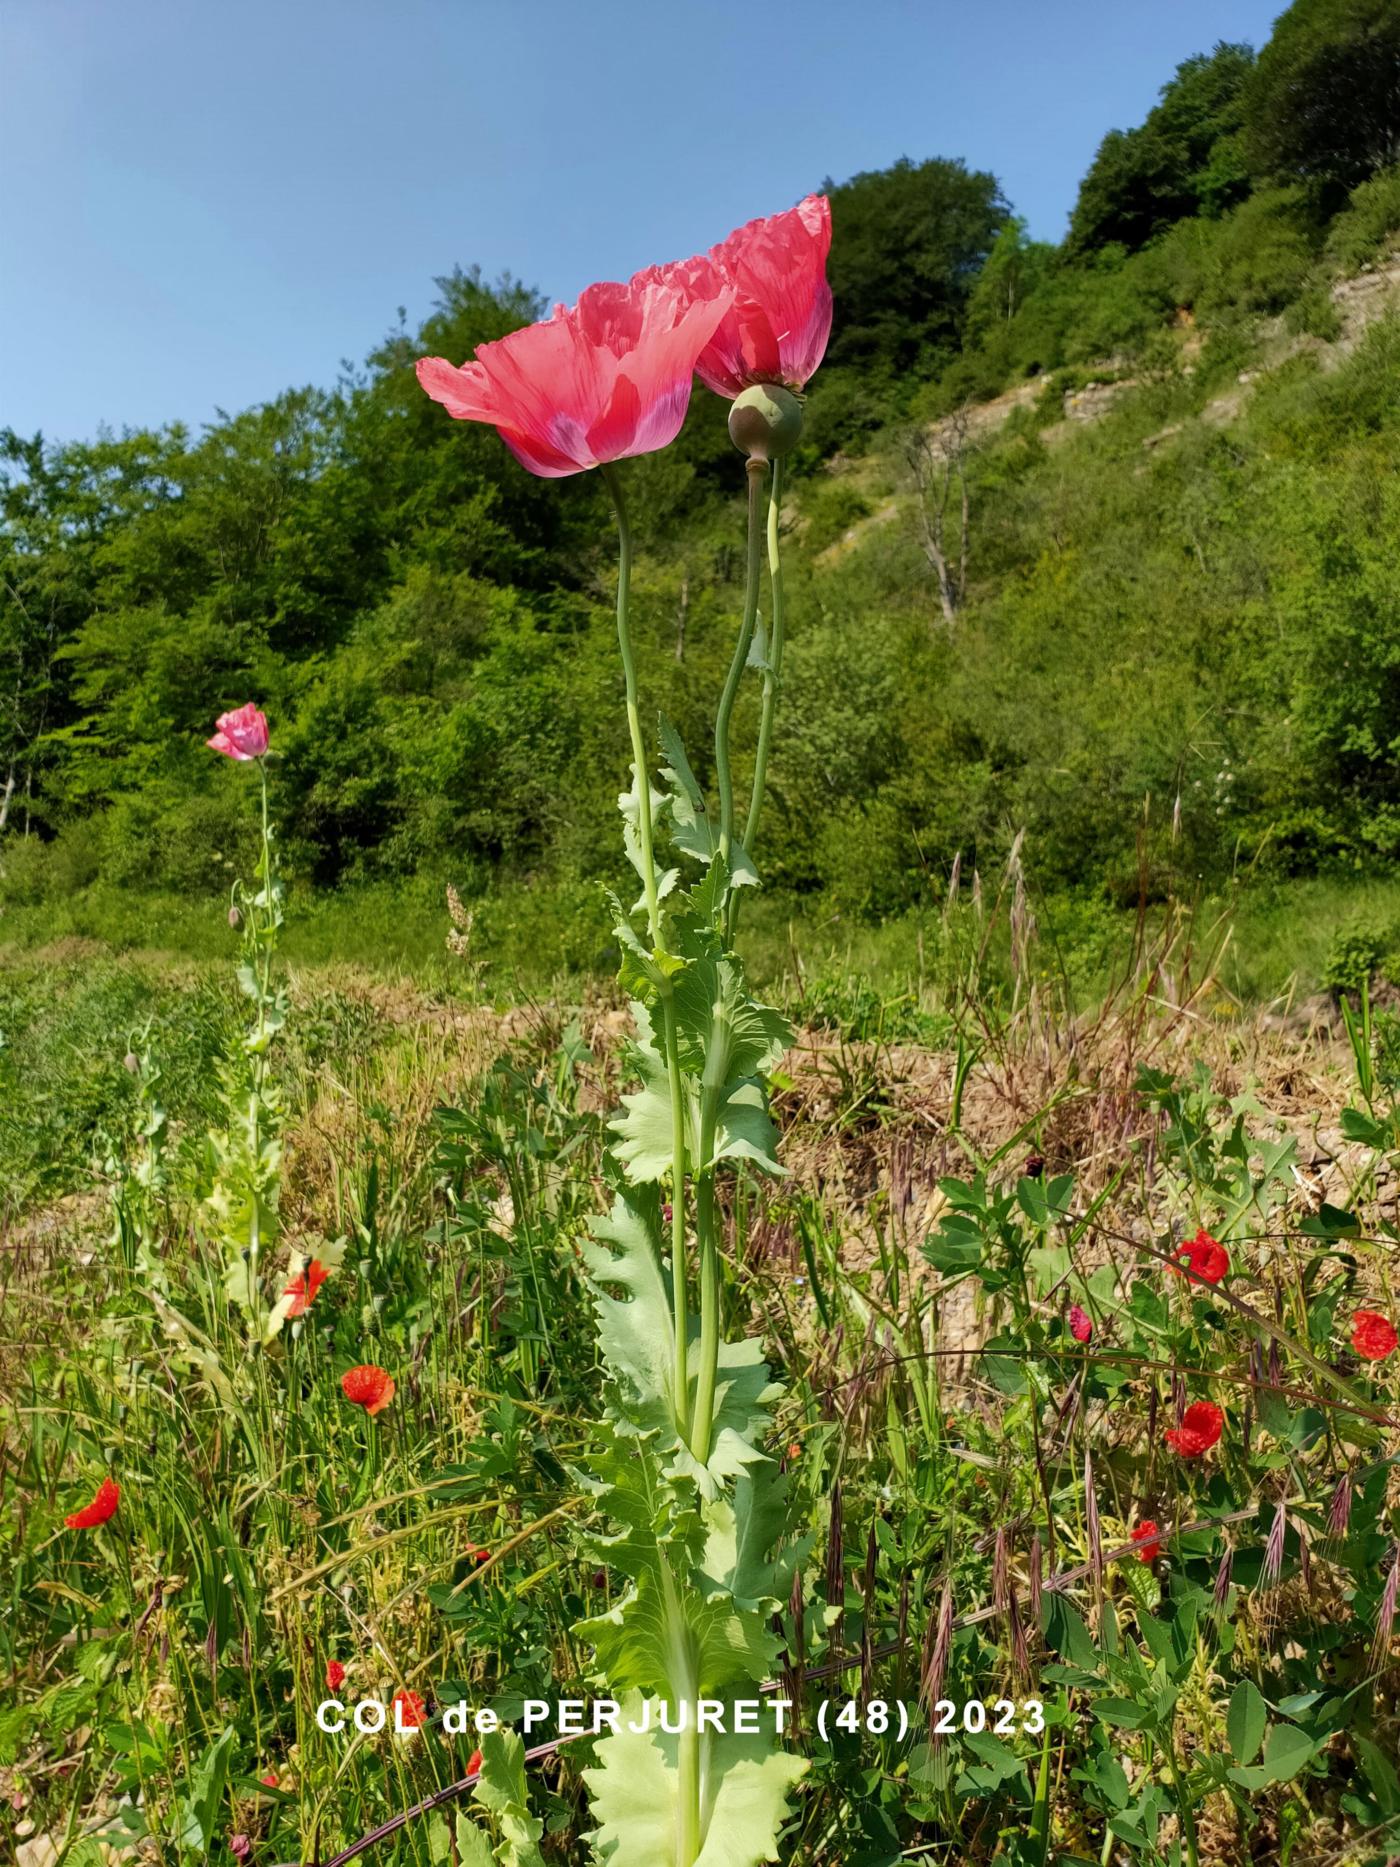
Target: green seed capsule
[(766, 421)]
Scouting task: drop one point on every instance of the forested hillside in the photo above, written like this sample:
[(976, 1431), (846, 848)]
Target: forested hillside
[(1167, 641)]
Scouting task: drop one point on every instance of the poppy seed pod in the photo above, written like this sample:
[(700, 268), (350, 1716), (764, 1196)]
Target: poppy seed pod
[(766, 421)]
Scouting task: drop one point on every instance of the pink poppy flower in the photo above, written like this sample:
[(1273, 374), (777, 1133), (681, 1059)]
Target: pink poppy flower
[(600, 380), (1373, 1335), (777, 328), (241, 735), (303, 1287), (1201, 1425), (1207, 1257), (103, 1506), (1080, 1326)]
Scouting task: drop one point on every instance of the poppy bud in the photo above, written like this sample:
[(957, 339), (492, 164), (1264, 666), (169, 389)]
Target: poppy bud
[(766, 421), (234, 917), (131, 1062)]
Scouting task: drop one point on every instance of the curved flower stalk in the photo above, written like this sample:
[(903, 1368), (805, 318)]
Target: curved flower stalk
[(765, 351), (695, 1507)]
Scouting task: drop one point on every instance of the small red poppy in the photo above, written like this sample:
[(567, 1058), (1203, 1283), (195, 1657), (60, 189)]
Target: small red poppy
[(1373, 1335), (474, 1763), (794, 1451), (1080, 1326), (1207, 1257), (408, 1709), (1201, 1425), (103, 1506), (478, 1555), (303, 1287), (335, 1675), (1149, 1534), (269, 1779), (368, 1386)]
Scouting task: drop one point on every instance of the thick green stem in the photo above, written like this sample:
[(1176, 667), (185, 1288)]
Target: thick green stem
[(702, 1425), (773, 672), (688, 1793), (679, 1296), (723, 777), (634, 717)]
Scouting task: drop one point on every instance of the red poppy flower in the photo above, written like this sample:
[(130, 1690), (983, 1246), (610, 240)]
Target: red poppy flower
[(597, 381), (1208, 1259), (269, 1779), (335, 1675), (408, 1711), (241, 735), (777, 328), (369, 1386), (474, 1763), (1373, 1335), (478, 1555), (794, 1451), (303, 1287), (1149, 1534), (1080, 1326), (1201, 1425), (103, 1506)]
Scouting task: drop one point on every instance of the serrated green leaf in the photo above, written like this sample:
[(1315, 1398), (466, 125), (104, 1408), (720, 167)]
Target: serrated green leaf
[(473, 1849), (636, 1332), (741, 1534), (725, 1038), (635, 1792), (692, 829), (502, 1789)]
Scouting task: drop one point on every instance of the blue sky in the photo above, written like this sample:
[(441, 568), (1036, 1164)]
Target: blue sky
[(209, 201)]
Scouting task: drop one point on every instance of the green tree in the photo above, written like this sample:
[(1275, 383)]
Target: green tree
[(1185, 159), (907, 245), (1323, 104)]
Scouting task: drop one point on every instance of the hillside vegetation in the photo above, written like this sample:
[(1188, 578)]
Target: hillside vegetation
[(1168, 649)]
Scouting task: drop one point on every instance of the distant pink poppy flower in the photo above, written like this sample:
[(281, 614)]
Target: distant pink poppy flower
[(777, 328), (597, 381), (1201, 1425), (1080, 1326), (241, 735)]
